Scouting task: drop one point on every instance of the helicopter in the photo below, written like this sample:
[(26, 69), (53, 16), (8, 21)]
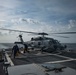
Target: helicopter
[(44, 43)]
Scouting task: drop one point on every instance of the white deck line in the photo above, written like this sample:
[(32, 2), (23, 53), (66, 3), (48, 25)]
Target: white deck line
[(9, 60), (56, 55), (62, 56), (61, 61), (51, 54), (59, 56)]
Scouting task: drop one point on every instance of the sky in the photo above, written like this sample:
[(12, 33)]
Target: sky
[(38, 16)]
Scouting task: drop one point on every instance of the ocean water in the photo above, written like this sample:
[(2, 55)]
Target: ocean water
[(71, 46), (6, 45)]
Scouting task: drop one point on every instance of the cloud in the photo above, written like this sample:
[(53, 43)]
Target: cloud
[(72, 24), (9, 3), (28, 20), (1, 21), (29, 24), (38, 15), (0, 33)]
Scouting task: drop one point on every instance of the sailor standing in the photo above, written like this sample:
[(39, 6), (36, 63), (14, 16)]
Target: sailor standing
[(15, 49), (26, 48)]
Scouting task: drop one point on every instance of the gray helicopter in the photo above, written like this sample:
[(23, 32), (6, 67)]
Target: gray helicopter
[(44, 43)]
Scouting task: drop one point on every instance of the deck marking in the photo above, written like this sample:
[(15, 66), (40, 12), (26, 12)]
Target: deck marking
[(61, 61), (43, 54), (62, 56), (9, 60)]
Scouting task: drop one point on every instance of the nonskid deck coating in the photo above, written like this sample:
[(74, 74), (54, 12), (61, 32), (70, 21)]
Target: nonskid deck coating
[(35, 58), (38, 57), (69, 54), (1, 69)]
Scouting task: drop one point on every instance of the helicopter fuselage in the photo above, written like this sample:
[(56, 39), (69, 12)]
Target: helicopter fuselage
[(49, 44), (45, 43)]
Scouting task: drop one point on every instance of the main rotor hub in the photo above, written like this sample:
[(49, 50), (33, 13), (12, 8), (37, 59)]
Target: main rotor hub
[(20, 35), (43, 33)]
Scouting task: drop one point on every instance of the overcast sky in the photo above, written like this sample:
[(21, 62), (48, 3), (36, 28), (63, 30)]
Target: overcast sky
[(37, 15)]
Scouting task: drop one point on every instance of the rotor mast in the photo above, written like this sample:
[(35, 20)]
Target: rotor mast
[(21, 39), (43, 34)]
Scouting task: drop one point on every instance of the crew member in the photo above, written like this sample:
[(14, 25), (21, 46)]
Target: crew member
[(25, 48), (15, 49)]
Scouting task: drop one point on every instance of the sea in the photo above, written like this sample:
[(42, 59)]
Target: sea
[(70, 46)]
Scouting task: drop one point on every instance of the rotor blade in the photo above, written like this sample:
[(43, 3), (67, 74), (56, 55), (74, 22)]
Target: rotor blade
[(65, 33), (59, 36), (18, 31), (42, 33), (62, 36)]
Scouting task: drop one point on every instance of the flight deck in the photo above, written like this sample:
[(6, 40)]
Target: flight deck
[(49, 63)]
